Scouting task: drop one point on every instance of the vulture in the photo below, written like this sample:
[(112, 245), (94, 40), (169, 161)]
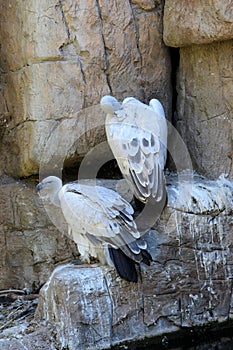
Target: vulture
[(101, 223), (137, 135)]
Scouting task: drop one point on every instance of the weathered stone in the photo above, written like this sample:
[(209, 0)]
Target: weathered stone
[(197, 22), (204, 106), (43, 91), (92, 304), (135, 36), (30, 246), (60, 59), (189, 283), (31, 33), (24, 338)]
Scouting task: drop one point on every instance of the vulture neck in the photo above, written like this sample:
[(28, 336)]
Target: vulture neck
[(55, 199), (108, 118), (54, 196)]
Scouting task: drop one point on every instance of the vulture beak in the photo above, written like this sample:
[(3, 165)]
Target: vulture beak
[(39, 187)]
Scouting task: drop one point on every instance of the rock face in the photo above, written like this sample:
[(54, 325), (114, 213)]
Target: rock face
[(197, 22), (30, 246), (27, 340), (204, 106), (60, 59), (57, 60), (203, 31), (188, 284)]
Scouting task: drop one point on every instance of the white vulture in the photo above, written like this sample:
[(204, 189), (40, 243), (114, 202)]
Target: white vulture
[(137, 135), (99, 220)]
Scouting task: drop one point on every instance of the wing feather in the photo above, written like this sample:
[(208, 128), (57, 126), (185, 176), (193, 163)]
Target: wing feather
[(137, 135), (100, 212)]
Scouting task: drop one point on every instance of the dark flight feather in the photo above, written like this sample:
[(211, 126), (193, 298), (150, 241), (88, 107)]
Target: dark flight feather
[(125, 267)]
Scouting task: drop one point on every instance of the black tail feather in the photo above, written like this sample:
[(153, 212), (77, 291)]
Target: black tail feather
[(146, 257), (124, 265)]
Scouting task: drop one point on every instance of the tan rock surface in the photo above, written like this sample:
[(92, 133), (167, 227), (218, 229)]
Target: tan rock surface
[(204, 106), (197, 22), (61, 58), (31, 32)]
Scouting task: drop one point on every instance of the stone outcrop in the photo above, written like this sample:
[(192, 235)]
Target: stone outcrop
[(18, 338), (60, 59), (204, 118), (204, 106), (189, 283), (197, 22)]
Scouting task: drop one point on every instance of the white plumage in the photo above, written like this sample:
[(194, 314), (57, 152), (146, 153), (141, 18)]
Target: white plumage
[(137, 135), (99, 220)]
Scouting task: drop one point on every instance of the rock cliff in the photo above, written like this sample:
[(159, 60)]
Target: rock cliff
[(203, 32), (57, 59)]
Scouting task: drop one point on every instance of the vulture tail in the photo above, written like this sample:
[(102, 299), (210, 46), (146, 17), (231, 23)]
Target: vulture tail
[(146, 257), (123, 264)]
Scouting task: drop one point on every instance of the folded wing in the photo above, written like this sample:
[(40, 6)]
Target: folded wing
[(137, 135)]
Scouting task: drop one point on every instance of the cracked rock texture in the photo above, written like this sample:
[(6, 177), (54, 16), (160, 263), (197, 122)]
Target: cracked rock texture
[(58, 58), (205, 106), (197, 22), (188, 284), (204, 111)]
